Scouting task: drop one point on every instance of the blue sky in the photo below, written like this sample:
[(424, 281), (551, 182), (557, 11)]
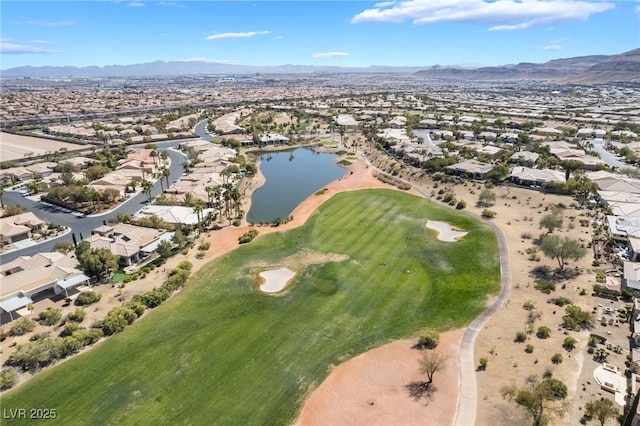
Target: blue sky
[(345, 33)]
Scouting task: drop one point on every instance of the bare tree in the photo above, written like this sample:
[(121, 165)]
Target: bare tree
[(429, 363)]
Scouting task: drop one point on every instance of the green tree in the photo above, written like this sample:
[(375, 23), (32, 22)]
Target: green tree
[(538, 398), (602, 410), (487, 197), (551, 221), (97, 262), (146, 188), (562, 249), (164, 249), (499, 173)]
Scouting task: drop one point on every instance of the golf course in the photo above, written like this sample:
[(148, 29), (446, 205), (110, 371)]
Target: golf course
[(367, 271)]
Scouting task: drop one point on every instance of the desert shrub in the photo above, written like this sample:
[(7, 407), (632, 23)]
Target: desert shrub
[(77, 315), (117, 319), (237, 222), (528, 349), (8, 378), (488, 214), (184, 265), (87, 337), (529, 305), (561, 301), (569, 343), (21, 326), (521, 337), (545, 286), (557, 358), (577, 319), (204, 246), (136, 307), (50, 316), (483, 363), (543, 332), (429, 340), (39, 336), (69, 329), (461, 205), (152, 298), (248, 236), (87, 298), (200, 254)]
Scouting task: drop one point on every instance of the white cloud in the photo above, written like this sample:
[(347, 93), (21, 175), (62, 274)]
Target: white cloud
[(278, 37), (10, 48), (211, 61), (330, 54), (47, 23), (40, 41), (135, 4), (501, 14), (171, 4), (248, 34), (550, 47), (384, 4)]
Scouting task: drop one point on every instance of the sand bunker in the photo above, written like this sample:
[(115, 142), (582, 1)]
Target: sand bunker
[(444, 231), (275, 280)]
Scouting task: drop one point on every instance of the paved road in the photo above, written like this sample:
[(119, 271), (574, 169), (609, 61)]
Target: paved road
[(606, 156), (468, 392), (83, 225)]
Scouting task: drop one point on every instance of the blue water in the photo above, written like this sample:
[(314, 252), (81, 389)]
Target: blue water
[(291, 176)]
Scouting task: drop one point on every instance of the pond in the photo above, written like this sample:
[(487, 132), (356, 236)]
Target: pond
[(290, 177)]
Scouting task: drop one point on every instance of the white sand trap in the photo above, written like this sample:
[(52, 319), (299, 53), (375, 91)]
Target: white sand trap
[(275, 280), (445, 231)]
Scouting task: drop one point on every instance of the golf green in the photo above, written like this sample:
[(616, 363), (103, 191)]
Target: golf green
[(220, 352)]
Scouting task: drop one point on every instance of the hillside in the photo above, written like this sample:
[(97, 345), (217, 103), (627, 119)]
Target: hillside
[(624, 67)]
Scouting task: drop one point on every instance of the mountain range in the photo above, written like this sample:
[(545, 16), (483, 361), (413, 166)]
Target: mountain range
[(624, 67)]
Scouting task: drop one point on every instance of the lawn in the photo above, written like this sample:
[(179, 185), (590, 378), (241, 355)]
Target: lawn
[(219, 352)]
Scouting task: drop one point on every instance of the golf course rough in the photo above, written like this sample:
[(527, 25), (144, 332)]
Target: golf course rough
[(220, 352)]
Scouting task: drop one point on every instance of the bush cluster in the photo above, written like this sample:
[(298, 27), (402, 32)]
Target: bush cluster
[(248, 236), (87, 298)]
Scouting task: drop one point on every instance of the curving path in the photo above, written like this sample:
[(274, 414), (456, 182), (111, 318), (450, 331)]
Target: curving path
[(468, 392)]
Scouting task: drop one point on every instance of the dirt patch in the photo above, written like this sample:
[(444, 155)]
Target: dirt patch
[(371, 389)]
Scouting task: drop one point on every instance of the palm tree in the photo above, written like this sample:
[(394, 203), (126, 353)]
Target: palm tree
[(142, 164), (164, 156), (198, 207), (146, 188)]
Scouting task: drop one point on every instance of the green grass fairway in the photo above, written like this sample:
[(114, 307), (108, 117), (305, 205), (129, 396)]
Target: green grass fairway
[(221, 353)]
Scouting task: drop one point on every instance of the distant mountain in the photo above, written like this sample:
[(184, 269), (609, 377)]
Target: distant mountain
[(176, 68), (624, 67)]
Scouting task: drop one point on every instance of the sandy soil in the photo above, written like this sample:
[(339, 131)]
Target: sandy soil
[(444, 231), (370, 389), (275, 280), (15, 147)]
